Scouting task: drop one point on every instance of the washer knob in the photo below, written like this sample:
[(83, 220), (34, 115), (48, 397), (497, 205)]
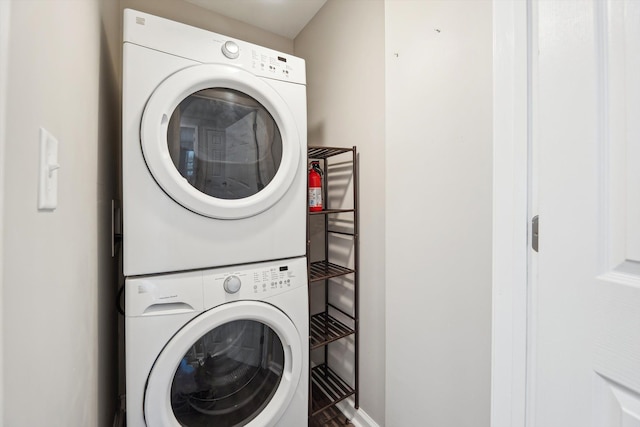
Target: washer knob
[(232, 284), (231, 50)]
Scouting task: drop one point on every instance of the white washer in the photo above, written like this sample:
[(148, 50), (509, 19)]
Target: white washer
[(220, 347), (214, 149)]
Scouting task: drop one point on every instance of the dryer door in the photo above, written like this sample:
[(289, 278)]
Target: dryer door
[(220, 141), (235, 365)]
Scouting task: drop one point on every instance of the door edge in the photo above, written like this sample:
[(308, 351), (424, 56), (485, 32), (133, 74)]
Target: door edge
[(511, 24)]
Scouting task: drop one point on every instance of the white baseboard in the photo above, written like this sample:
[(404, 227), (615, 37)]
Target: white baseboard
[(358, 418)]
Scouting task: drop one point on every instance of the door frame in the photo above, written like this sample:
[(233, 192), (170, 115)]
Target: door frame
[(511, 211), (5, 11)]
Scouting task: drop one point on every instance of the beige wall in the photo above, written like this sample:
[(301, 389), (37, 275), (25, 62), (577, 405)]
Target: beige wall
[(438, 216), (344, 49), (196, 16), (58, 276)]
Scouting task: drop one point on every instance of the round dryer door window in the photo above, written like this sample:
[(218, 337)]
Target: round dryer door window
[(220, 141), (224, 143), (237, 365)]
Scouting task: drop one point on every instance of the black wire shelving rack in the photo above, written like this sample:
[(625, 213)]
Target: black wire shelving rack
[(326, 387)]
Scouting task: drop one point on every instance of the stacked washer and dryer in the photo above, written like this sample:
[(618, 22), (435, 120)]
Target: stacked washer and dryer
[(214, 237)]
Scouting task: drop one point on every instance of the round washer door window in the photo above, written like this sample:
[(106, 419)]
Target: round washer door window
[(236, 365), (220, 141)]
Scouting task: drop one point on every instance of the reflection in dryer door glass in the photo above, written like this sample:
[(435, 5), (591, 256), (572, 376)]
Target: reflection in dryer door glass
[(224, 143), (228, 376)]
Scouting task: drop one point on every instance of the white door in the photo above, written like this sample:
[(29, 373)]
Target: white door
[(584, 334), (237, 364), (220, 141)]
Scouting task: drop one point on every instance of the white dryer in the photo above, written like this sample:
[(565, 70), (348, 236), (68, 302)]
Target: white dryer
[(220, 347), (214, 149)]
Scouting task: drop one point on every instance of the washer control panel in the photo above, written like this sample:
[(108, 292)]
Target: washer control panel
[(277, 277), (254, 281)]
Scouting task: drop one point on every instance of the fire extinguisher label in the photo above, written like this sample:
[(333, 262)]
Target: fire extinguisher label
[(315, 197)]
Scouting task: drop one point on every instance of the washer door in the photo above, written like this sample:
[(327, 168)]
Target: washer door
[(220, 141), (236, 365)]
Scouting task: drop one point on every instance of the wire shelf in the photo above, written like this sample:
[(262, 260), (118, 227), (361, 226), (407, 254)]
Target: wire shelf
[(324, 329), (331, 211), (321, 270), (319, 153), (327, 389)]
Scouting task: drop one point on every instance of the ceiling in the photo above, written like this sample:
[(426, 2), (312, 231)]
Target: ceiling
[(283, 17)]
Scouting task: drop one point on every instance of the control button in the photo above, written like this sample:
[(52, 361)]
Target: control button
[(231, 50), (232, 284)]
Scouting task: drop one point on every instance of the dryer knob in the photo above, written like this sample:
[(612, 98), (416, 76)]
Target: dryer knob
[(231, 50), (232, 284)]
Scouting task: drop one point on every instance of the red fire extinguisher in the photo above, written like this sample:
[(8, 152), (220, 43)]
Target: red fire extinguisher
[(315, 187)]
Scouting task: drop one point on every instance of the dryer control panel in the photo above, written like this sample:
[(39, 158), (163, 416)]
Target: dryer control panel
[(269, 64), (208, 47)]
